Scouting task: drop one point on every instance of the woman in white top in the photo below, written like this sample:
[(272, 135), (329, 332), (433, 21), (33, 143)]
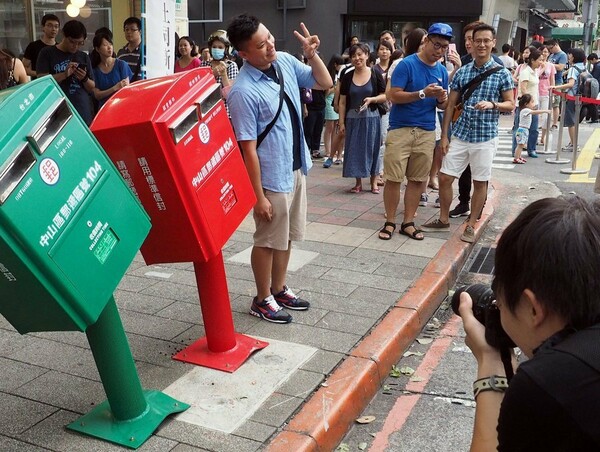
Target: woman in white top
[(529, 84)]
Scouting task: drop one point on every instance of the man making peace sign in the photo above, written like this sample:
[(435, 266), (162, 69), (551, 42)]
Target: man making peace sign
[(265, 97)]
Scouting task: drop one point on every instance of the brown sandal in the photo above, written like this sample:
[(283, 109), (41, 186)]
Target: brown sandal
[(414, 234), (387, 234)]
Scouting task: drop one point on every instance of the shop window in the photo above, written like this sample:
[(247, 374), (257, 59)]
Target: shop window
[(14, 26)]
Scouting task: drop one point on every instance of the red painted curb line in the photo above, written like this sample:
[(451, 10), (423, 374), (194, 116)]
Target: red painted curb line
[(326, 417)]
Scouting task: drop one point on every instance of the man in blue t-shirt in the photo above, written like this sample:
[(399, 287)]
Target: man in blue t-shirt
[(559, 59), (419, 84)]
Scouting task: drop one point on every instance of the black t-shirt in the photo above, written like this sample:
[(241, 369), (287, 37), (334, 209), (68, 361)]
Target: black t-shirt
[(552, 403), (52, 61), (271, 73), (33, 50), (318, 100)]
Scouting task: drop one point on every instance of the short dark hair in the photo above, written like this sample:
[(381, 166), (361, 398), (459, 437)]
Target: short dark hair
[(387, 32), (47, 17), (74, 29), (104, 30), (552, 248), (592, 56), (385, 44), (133, 20), (506, 48), (578, 55), (471, 26), (360, 46), (241, 29), (484, 27), (550, 42)]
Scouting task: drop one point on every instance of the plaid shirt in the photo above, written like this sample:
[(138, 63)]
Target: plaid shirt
[(473, 125)]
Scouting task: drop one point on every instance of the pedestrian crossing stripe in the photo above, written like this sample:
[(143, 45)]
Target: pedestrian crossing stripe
[(504, 149)]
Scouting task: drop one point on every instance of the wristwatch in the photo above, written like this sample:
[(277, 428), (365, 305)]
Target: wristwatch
[(498, 383), (421, 94)]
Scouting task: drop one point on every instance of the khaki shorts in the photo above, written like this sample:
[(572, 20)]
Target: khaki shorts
[(408, 152), (555, 101), (288, 222)]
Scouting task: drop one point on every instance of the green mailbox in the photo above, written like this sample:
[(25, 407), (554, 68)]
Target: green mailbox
[(69, 226), (69, 229)]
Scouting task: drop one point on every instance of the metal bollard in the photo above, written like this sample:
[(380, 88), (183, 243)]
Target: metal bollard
[(558, 160), (548, 137), (574, 169)]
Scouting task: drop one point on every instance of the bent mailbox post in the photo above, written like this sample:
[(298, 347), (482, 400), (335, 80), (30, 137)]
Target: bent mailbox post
[(171, 139), (69, 228)]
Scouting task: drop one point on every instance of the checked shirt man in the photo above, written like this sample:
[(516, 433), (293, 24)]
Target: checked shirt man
[(475, 134)]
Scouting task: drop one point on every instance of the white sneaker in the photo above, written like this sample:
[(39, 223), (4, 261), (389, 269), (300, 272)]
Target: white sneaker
[(423, 200)]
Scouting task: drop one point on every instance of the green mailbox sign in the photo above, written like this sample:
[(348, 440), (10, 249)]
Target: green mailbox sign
[(69, 228)]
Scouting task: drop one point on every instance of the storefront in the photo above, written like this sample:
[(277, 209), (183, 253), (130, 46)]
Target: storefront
[(20, 19)]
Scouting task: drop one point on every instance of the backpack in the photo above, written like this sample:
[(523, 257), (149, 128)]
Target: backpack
[(588, 85)]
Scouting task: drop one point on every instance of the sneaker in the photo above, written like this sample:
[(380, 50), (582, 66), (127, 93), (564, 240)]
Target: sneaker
[(461, 210), (567, 148), (423, 200), (468, 235), (533, 154), (269, 310), (437, 202), (554, 127), (436, 225), (328, 162), (337, 162), (287, 299)]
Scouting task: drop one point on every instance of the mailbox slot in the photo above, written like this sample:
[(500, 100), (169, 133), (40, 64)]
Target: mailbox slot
[(210, 99), (52, 125), (184, 124), (14, 170)]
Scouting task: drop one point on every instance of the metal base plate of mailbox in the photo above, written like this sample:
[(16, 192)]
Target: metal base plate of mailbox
[(132, 433)]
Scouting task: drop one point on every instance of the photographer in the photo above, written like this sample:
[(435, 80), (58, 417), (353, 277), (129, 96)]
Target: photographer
[(547, 289)]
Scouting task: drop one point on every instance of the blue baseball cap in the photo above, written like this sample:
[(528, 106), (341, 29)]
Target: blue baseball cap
[(440, 29)]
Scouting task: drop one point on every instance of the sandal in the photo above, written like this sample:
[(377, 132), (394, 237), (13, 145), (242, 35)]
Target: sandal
[(356, 189), (375, 190), (386, 233), (414, 234)]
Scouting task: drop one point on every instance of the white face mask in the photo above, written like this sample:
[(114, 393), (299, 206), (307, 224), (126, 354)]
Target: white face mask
[(217, 54)]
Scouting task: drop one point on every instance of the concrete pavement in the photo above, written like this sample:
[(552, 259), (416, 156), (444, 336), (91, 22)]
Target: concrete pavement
[(369, 297)]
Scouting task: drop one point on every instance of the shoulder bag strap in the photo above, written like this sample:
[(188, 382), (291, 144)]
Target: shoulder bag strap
[(264, 133), (470, 87)]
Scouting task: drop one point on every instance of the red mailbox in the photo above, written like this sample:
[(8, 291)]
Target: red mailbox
[(172, 141)]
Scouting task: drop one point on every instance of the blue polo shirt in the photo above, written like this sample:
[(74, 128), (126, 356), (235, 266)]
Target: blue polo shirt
[(253, 102), (412, 75), (473, 125)]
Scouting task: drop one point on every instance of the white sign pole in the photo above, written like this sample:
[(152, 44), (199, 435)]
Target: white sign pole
[(159, 34)]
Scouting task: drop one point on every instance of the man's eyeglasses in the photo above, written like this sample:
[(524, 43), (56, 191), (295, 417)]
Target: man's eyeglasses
[(126, 29), (483, 41), (438, 46), (75, 42)]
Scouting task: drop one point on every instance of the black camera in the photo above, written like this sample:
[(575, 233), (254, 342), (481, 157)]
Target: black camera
[(486, 312)]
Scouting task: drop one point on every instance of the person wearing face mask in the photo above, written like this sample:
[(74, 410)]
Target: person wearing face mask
[(224, 70)]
